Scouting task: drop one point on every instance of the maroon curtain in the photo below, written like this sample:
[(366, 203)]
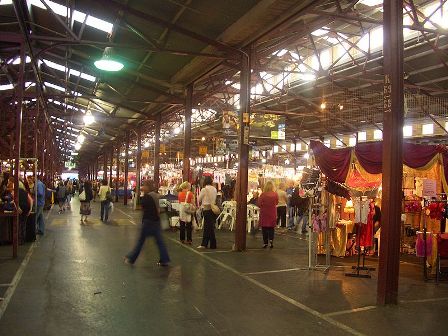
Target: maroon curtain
[(334, 163), (370, 156), (416, 156)]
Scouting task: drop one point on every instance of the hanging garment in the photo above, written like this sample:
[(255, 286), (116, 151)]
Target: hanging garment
[(361, 210), (366, 234), (420, 245)]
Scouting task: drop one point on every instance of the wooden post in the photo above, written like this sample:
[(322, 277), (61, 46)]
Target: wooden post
[(117, 181), (139, 165), (389, 262)]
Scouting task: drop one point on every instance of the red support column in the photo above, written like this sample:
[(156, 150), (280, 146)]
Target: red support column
[(187, 133), (389, 262), (157, 151), (126, 169), (243, 149), (117, 172), (111, 164), (105, 165), (139, 164), (17, 146)]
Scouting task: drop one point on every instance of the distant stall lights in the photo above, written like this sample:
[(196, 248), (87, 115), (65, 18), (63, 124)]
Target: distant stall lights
[(323, 105), (81, 138), (146, 145), (306, 156), (176, 130), (203, 138), (78, 146)]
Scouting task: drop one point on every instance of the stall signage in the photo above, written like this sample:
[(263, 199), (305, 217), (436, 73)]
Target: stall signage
[(145, 154), (70, 164), (180, 155), (202, 150), (429, 188), (162, 148)]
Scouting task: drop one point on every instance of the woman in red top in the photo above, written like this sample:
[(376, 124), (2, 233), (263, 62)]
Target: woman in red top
[(186, 200), (267, 203)]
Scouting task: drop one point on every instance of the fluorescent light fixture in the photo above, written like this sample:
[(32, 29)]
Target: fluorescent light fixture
[(107, 61), (407, 131), (88, 118), (377, 134), (428, 129), (6, 87), (280, 53), (77, 146), (362, 136), (5, 2)]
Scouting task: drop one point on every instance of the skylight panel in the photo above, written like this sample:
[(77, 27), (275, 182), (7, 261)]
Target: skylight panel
[(321, 31), (54, 65), (17, 60), (77, 15), (53, 86), (5, 2), (99, 24), (88, 77), (6, 87), (371, 3)]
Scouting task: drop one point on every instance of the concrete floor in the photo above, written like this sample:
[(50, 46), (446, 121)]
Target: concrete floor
[(75, 283)]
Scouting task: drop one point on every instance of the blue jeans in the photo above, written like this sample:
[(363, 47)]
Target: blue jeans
[(40, 219), (150, 228), (105, 210), (305, 221), (291, 214)]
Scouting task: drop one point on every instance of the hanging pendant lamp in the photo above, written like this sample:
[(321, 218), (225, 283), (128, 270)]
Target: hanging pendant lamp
[(107, 62)]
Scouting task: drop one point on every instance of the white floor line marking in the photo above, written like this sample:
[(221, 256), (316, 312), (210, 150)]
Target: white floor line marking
[(424, 300), (124, 213), (276, 293), (275, 271), (350, 311), (15, 281), (225, 251)]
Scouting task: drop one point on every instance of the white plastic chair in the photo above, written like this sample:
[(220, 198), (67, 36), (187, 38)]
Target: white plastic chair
[(253, 217)]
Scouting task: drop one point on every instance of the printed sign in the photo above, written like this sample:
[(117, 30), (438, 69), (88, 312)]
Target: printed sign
[(429, 188), (202, 150)]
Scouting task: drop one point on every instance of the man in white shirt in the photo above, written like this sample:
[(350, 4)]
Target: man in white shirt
[(207, 197)]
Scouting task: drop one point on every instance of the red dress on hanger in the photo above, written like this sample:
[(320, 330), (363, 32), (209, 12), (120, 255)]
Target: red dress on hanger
[(366, 236)]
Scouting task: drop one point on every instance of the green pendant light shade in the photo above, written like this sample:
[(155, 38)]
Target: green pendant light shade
[(107, 62)]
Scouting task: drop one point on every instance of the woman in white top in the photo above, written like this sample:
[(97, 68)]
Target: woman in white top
[(207, 197), (281, 206)]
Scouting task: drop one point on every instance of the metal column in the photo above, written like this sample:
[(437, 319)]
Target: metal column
[(187, 133), (157, 151), (139, 165), (392, 153), (126, 169), (243, 141)]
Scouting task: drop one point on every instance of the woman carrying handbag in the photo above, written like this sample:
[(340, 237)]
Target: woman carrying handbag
[(186, 211)]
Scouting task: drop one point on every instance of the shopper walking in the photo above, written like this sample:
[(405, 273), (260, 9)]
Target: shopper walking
[(186, 211), (25, 206), (282, 204), (105, 199), (70, 191), (61, 195), (85, 197), (207, 198), (150, 225), (267, 202), (41, 193)]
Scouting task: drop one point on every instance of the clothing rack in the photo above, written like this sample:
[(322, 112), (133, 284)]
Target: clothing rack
[(425, 256)]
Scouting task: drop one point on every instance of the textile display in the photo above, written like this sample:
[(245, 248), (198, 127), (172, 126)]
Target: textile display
[(335, 163)]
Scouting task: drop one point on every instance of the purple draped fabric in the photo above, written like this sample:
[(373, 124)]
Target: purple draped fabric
[(334, 163), (416, 156), (370, 156)]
